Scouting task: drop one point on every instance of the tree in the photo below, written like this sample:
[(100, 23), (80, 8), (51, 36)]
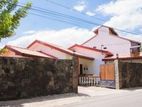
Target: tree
[(10, 16)]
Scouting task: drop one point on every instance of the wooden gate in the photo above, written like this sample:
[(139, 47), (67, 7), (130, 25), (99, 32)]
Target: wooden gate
[(107, 75)]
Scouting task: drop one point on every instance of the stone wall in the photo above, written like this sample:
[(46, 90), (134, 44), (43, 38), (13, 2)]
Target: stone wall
[(25, 78), (130, 74)]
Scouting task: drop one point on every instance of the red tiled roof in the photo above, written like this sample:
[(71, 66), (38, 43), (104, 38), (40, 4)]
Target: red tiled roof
[(128, 39), (27, 51), (83, 56), (61, 49), (17, 56), (123, 57), (48, 54), (93, 49)]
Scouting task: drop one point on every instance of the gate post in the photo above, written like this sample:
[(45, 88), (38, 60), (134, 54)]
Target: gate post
[(75, 73), (116, 74)]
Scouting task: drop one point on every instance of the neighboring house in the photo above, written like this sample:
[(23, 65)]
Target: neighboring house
[(55, 50), (13, 51), (124, 58), (91, 67), (107, 39)]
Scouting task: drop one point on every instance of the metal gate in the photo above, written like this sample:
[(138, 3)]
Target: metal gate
[(107, 75)]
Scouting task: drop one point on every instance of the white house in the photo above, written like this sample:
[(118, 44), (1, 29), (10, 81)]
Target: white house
[(106, 40), (90, 67)]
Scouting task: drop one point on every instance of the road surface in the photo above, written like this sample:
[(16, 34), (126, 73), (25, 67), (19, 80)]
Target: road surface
[(87, 97), (129, 98)]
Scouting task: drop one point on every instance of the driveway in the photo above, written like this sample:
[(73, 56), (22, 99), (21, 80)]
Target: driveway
[(86, 96)]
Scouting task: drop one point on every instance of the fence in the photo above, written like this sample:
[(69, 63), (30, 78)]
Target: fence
[(25, 78), (130, 74), (87, 80)]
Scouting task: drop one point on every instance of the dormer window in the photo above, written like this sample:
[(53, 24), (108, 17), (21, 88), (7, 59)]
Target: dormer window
[(95, 47), (105, 48)]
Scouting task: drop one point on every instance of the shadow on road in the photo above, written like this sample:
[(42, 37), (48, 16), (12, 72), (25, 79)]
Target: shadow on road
[(10, 105), (19, 103), (132, 89)]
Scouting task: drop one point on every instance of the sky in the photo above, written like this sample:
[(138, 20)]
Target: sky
[(68, 22)]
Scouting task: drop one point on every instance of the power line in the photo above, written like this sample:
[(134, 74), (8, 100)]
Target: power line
[(59, 4), (35, 8), (46, 11), (55, 3), (91, 16), (63, 21), (71, 24)]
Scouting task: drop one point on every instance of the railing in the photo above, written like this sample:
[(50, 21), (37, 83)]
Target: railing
[(87, 80)]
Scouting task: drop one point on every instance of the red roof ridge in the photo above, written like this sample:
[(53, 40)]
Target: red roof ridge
[(51, 45), (15, 48), (48, 54), (122, 58), (67, 51), (94, 49), (127, 39), (10, 46), (89, 40)]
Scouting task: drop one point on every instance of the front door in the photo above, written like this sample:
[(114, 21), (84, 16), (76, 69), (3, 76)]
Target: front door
[(81, 69)]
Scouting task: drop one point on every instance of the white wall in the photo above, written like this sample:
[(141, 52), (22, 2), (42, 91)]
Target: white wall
[(114, 44), (86, 63), (94, 67), (60, 55)]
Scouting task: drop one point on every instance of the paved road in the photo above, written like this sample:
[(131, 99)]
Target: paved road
[(131, 98), (87, 97)]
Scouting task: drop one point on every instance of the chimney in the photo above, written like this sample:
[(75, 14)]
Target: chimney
[(102, 30)]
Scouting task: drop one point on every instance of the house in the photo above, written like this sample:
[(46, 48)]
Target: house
[(61, 53), (104, 46), (55, 50), (13, 51), (86, 56), (91, 67), (107, 39)]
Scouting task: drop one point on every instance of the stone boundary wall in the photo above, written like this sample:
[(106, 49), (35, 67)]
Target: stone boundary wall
[(26, 78), (130, 74)]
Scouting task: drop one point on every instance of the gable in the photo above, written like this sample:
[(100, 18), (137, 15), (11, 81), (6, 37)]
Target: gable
[(47, 49), (90, 51), (109, 32)]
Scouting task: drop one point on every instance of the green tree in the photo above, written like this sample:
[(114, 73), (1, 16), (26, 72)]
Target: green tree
[(10, 16)]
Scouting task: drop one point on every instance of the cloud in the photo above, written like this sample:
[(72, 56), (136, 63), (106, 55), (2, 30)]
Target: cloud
[(81, 6), (65, 37), (125, 14), (89, 13), (29, 32)]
